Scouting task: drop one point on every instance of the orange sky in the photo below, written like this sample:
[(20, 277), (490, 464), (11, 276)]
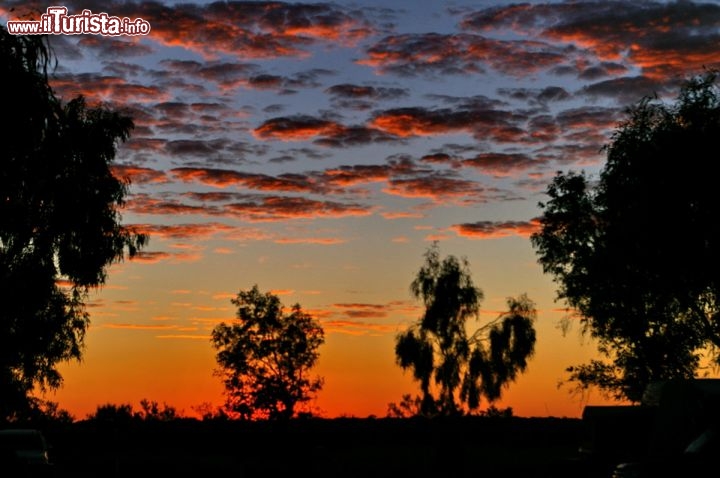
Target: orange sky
[(146, 345)]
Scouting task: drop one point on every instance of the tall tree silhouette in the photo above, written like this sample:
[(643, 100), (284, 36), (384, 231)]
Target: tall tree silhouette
[(59, 220), (455, 369), (635, 253), (266, 356)]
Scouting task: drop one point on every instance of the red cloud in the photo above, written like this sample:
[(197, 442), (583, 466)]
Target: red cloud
[(276, 208), (663, 39), (293, 128), (481, 123), (149, 257), (152, 257), (501, 164), (441, 158), (359, 174), (249, 207), (138, 174), (144, 144), (436, 187), (101, 89), (592, 118), (359, 310), (248, 29), (226, 177), (496, 229), (325, 132), (146, 204), (182, 231)]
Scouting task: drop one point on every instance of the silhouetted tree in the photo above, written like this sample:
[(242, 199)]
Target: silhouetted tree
[(456, 369), (265, 357), (59, 220), (150, 410), (636, 254), (114, 414)]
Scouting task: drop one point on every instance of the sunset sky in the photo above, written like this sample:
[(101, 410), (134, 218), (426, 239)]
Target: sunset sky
[(317, 150)]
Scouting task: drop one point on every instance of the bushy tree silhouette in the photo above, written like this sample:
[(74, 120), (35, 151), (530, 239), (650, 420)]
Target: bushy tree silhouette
[(59, 220), (456, 369), (635, 253), (114, 413), (266, 356)]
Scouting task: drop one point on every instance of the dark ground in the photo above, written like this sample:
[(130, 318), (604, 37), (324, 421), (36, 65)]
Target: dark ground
[(477, 447)]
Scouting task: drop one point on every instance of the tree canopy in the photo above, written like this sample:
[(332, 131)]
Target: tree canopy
[(266, 355), (635, 252), (456, 369), (60, 225)]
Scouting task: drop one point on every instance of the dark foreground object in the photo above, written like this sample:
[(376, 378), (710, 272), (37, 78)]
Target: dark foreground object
[(478, 446)]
